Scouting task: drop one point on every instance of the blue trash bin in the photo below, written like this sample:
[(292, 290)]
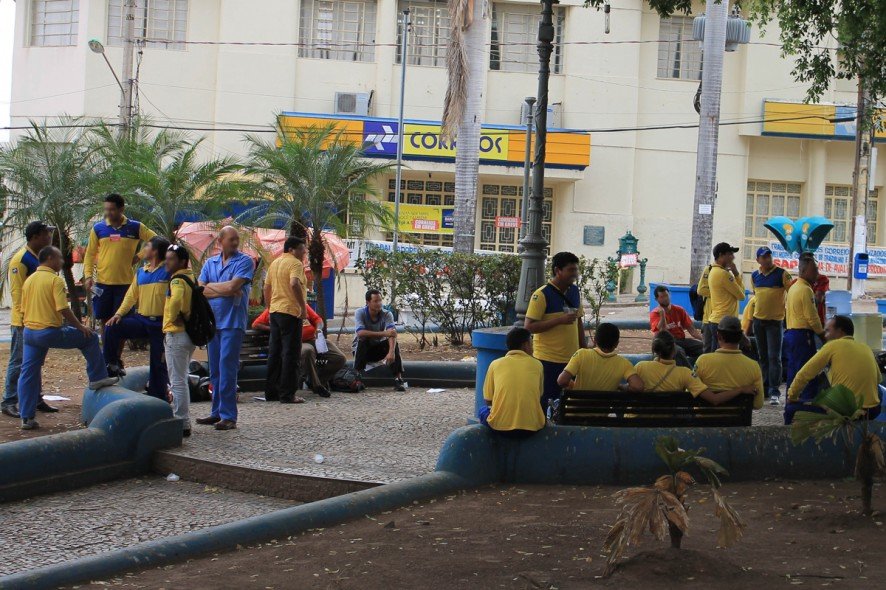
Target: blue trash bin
[(860, 266)]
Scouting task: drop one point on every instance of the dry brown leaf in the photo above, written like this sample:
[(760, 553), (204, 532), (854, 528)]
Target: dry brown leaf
[(731, 524)]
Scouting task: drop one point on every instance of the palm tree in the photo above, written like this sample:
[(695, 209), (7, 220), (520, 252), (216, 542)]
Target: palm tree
[(466, 62), (52, 173), (163, 179), (844, 414), (314, 180)]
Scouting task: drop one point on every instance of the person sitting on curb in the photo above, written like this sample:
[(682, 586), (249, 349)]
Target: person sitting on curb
[(319, 367), (512, 388), (45, 310), (600, 368), (727, 369), (670, 317), (852, 364), (375, 339), (663, 375)]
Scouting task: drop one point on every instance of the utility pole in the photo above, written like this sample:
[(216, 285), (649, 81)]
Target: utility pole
[(861, 183), (716, 16), (403, 56), (532, 271), (527, 167), (128, 81)]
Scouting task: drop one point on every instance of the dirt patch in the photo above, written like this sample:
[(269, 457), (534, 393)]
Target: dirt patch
[(550, 537)]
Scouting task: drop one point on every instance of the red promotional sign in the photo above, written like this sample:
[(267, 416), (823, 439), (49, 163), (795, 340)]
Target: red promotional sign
[(507, 222), (628, 260)]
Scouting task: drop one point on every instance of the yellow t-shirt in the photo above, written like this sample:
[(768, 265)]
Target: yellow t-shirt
[(44, 297), (178, 302), (514, 384), (801, 313), (704, 290), (557, 344), (726, 291), (852, 364), (280, 275), (110, 251), (747, 317), (22, 264), (595, 370), (770, 289), (655, 374), (728, 369)]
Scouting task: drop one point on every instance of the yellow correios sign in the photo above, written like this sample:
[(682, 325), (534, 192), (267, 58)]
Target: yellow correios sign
[(426, 140)]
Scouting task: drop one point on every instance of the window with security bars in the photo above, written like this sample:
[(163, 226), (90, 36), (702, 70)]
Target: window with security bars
[(679, 56), (428, 35), (162, 23), (501, 201), (764, 200), (423, 192), (515, 35), (54, 23), (838, 208), (340, 30)]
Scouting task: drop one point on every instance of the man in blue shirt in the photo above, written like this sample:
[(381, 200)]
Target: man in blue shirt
[(226, 278), (375, 339)]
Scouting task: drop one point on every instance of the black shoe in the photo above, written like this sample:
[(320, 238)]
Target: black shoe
[(399, 385), (11, 410), (115, 370), (226, 425), (186, 433), (46, 408), (321, 391), (208, 420)]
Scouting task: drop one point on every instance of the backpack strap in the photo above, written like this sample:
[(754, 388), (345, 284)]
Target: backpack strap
[(663, 378), (187, 280)]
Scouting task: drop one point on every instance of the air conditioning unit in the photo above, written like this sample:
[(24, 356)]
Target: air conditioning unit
[(555, 114), (353, 103)]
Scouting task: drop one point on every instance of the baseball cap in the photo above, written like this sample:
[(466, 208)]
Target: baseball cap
[(763, 251), (35, 227), (723, 248), (729, 324)]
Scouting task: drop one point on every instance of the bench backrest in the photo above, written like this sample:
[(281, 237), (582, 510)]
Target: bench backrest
[(608, 408)]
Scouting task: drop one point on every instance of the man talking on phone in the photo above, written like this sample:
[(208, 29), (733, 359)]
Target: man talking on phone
[(725, 284)]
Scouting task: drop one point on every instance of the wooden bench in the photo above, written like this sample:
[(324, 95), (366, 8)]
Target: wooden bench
[(608, 408)]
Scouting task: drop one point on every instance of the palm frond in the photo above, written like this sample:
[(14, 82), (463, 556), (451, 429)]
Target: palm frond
[(731, 525), (842, 409)]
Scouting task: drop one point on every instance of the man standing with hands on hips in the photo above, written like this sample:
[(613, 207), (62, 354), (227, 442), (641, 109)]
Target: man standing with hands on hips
[(725, 284), (770, 283), (803, 325), (554, 317), (225, 278)]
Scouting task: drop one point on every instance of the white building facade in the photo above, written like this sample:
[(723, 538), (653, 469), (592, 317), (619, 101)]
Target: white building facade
[(322, 58)]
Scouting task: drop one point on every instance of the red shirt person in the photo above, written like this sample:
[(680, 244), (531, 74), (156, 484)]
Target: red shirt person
[(674, 319)]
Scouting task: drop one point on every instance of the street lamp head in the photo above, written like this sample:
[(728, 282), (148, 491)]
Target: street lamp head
[(96, 46)]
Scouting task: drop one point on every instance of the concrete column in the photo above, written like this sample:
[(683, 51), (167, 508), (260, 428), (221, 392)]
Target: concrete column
[(387, 86), (815, 178)]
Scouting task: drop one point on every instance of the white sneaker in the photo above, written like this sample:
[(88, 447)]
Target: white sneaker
[(774, 401), (106, 382)]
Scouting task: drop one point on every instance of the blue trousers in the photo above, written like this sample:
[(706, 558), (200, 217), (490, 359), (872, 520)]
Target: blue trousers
[(139, 326), (14, 368), (224, 363), (37, 344), (799, 347), (769, 336), (551, 389)]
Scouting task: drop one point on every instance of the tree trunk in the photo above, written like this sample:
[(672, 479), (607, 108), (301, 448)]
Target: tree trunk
[(467, 155), (297, 229), (316, 254), (676, 536), (708, 138)]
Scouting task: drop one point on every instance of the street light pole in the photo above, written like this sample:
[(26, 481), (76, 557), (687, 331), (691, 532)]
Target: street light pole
[(128, 51), (403, 47), (527, 166), (532, 271)]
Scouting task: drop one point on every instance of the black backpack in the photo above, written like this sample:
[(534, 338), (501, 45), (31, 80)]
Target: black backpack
[(346, 380), (200, 325), (697, 302)]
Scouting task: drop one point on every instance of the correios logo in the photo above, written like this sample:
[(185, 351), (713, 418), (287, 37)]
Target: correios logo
[(425, 140)]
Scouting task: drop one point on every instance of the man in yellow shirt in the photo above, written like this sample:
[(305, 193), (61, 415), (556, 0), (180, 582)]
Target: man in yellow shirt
[(803, 325), (286, 294), (770, 283), (178, 347), (512, 388), (554, 317), (708, 330), (725, 284), (600, 368), (22, 265), (727, 369), (45, 309), (851, 363), (111, 252)]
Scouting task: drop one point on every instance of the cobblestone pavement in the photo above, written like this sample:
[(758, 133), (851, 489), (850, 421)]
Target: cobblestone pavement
[(64, 526), (378, 435)]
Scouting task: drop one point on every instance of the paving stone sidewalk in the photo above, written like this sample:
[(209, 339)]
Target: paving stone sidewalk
[(60, 527), (378, 435)]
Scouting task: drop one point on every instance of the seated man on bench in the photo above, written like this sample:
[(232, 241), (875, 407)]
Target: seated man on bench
[(600, 368), (663, 375), (512, 388), (728, 369)]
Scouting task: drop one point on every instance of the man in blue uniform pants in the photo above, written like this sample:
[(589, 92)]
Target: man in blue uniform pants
[(226, 278)]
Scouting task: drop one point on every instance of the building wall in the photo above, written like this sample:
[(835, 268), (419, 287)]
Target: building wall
[(642, 181)]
